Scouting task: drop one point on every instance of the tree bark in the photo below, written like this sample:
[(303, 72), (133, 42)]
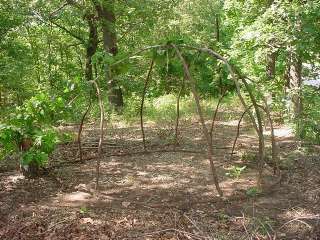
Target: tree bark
[(105, 10), (295, 82), (217, 28), (271, 65), (91, 47)]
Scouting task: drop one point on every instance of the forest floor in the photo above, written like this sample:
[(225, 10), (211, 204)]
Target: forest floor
[(165, 195)]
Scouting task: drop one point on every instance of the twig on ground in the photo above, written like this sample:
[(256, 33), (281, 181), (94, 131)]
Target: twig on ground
[(299, 219), (193, 223), (194, 236)]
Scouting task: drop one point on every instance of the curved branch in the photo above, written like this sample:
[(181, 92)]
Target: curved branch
[(214, 116), (238, 130), (68, 31), (204, 128), (101, 132), (142, 103), (81, 127), (233, 74), (258, 128), (260, 134), (178, 113), (274, 147)]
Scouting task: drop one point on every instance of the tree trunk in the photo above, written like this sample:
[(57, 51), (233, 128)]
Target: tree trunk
[(105, 10), (217, 29), (295, 82), (91, 49), (271, 65), (91, 46), (32, 169)]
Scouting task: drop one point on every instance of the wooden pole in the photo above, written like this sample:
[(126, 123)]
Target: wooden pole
[(142, 103), (204, 128)]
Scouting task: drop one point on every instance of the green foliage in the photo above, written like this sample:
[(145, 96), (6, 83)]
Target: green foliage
[(253, 191), (235, 171), (32, 121), (163, 109), (84, 210), (261, 224), (307, 126), (10, 136), (34, 156), (248, 157)]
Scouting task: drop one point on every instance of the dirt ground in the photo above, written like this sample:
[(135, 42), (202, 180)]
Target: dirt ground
[(165, 195)]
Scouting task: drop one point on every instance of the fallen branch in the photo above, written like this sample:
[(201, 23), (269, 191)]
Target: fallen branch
[(131, 154), (299, 219), (194, 236)]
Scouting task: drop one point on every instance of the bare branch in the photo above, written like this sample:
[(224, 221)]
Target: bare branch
[(101, 132), (142, 103), (204, 128)]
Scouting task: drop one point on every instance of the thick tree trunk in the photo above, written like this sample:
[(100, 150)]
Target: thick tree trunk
[(32, 169), (105, 10), (91, 46)]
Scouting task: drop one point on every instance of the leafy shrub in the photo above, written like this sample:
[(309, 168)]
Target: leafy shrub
[(308, 126), (31, 122)]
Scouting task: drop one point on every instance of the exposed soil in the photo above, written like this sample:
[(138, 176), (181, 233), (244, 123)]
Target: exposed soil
[(165, 195)]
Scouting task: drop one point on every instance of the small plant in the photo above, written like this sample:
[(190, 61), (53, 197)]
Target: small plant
[(66, 137), (261, 225), (248, 157), (83, 210), (253, 191), (235, 171)]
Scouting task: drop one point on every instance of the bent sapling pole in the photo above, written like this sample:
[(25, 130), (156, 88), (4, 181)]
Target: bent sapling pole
[(101, 107), (142, 103), (215, 113), (176, 142), (81, 128), (258, 129), (261, 157), (199, 110), (238, 90), (274, 147), (238, 131)]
